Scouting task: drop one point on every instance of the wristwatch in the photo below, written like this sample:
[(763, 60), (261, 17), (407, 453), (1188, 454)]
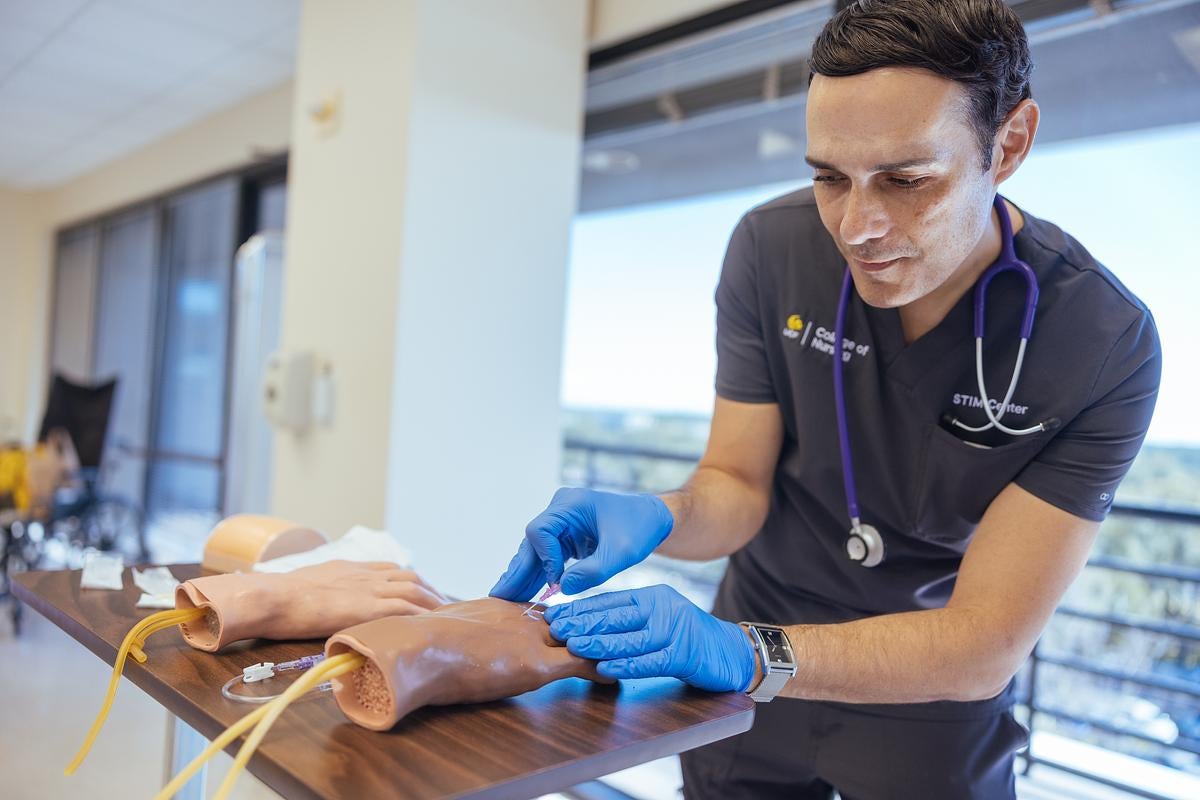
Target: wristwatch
[(776, 656)]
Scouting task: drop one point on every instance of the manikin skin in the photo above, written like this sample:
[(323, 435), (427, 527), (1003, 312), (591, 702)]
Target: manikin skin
[(308, 603), (468, 652)]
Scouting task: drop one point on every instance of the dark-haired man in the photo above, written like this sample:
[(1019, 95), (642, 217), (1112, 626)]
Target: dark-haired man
[(891, 650)]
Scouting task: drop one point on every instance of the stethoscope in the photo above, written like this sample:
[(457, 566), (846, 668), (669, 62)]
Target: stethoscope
[(864, 544)]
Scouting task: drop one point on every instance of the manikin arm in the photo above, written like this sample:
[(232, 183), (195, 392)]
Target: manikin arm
[(473, 651), (467, 652), (309, 603)]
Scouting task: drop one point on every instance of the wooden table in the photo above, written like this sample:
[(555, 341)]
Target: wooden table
[(544, 741)]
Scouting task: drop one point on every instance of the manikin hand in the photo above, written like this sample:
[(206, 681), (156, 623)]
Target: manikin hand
[(308, 603), (466, 652)]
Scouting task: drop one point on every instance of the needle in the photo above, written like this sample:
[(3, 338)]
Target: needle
[(551, 590)]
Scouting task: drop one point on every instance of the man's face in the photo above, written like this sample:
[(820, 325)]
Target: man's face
[(899, 181)]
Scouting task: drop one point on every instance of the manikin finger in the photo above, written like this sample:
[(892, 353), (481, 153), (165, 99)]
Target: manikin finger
[(412, 592)]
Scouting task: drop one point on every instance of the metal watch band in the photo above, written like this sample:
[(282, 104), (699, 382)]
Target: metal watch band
[(778, 663)]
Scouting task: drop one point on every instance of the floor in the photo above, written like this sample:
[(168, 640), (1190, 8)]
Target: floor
[(50, 695)]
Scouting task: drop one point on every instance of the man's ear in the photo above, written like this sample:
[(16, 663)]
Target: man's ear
[(1014, 139)]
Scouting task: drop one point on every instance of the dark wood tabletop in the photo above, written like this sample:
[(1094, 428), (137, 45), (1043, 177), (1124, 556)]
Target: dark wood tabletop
[(544, 741)]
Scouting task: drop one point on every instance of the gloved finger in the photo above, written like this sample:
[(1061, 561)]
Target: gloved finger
[(618, 620), (586, 574), (616, 645), (596, 568), (648, 665), (523, 576), (544, 532), (588, 605)]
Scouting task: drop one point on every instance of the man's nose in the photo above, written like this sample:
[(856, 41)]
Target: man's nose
[(864, 218)]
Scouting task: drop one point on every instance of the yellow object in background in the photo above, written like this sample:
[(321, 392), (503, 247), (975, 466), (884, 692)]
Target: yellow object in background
[(14, 482)]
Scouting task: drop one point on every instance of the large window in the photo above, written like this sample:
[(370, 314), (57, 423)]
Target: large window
[(145, 295), (684, 138)]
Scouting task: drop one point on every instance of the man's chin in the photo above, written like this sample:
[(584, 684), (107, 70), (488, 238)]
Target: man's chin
[(878, 295)]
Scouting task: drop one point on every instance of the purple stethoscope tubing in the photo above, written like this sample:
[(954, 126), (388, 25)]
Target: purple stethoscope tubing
[(865, 545), (839, 400)]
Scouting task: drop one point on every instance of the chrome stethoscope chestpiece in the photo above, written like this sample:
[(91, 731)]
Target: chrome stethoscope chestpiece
[(865, 545)]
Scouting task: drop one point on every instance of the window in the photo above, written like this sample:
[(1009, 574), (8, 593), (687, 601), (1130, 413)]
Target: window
[(684, 138), (145, 295)]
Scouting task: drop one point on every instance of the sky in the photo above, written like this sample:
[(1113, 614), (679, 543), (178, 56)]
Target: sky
[(640, 314)]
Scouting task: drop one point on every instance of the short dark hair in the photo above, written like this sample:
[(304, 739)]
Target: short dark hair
[(978, 43)]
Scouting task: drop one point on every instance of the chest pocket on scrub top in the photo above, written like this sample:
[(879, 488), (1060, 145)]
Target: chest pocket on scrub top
[(957, 481)]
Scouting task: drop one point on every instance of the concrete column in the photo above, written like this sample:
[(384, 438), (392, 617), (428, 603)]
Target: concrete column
[(426, 258)]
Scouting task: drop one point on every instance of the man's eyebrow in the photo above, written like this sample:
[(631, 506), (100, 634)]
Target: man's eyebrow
[(893, 166)]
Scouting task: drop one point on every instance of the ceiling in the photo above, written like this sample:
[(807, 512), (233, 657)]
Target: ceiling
[(85, 81)]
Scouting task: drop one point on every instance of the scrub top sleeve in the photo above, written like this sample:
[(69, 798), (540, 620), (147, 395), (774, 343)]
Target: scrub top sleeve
[(1081, 467), (742, 370)]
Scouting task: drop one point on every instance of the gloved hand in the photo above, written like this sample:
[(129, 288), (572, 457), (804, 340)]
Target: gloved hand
[(656, 631), (608, 532)]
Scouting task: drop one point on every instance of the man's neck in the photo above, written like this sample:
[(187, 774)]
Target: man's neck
[(921, 316)]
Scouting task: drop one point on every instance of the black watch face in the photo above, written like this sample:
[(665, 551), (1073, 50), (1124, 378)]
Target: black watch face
[(777, 645)]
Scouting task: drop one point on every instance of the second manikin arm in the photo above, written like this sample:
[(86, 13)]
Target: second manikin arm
[(309, 603)]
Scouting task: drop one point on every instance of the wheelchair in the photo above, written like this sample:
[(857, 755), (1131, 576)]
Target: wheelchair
[(79, 515)]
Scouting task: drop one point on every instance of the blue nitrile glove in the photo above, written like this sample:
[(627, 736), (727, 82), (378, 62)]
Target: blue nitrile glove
[(608, 532), (655, 631)]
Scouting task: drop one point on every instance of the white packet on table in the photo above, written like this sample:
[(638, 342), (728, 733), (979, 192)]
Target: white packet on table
[(102, 571), (158, 587)]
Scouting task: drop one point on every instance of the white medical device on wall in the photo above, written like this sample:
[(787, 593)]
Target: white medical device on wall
[(297, 391)]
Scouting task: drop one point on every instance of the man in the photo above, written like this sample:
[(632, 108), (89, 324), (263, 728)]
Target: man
[(917, 112)]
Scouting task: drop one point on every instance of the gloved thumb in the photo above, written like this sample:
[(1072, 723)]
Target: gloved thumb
[(522, 578), (543, 535)]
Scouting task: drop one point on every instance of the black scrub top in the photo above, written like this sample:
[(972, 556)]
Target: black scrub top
[(1093, 362)]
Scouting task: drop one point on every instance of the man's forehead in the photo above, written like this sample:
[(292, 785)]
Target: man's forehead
[(885, 116)]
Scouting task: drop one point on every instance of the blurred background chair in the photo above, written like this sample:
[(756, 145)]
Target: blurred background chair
[(68, 511)]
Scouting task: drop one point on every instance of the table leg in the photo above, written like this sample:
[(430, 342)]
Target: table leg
[(183, 745)]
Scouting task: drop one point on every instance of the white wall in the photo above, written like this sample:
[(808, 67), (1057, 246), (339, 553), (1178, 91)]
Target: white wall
[(345, 207), (427, 247), (492, 188), (256, 127)]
